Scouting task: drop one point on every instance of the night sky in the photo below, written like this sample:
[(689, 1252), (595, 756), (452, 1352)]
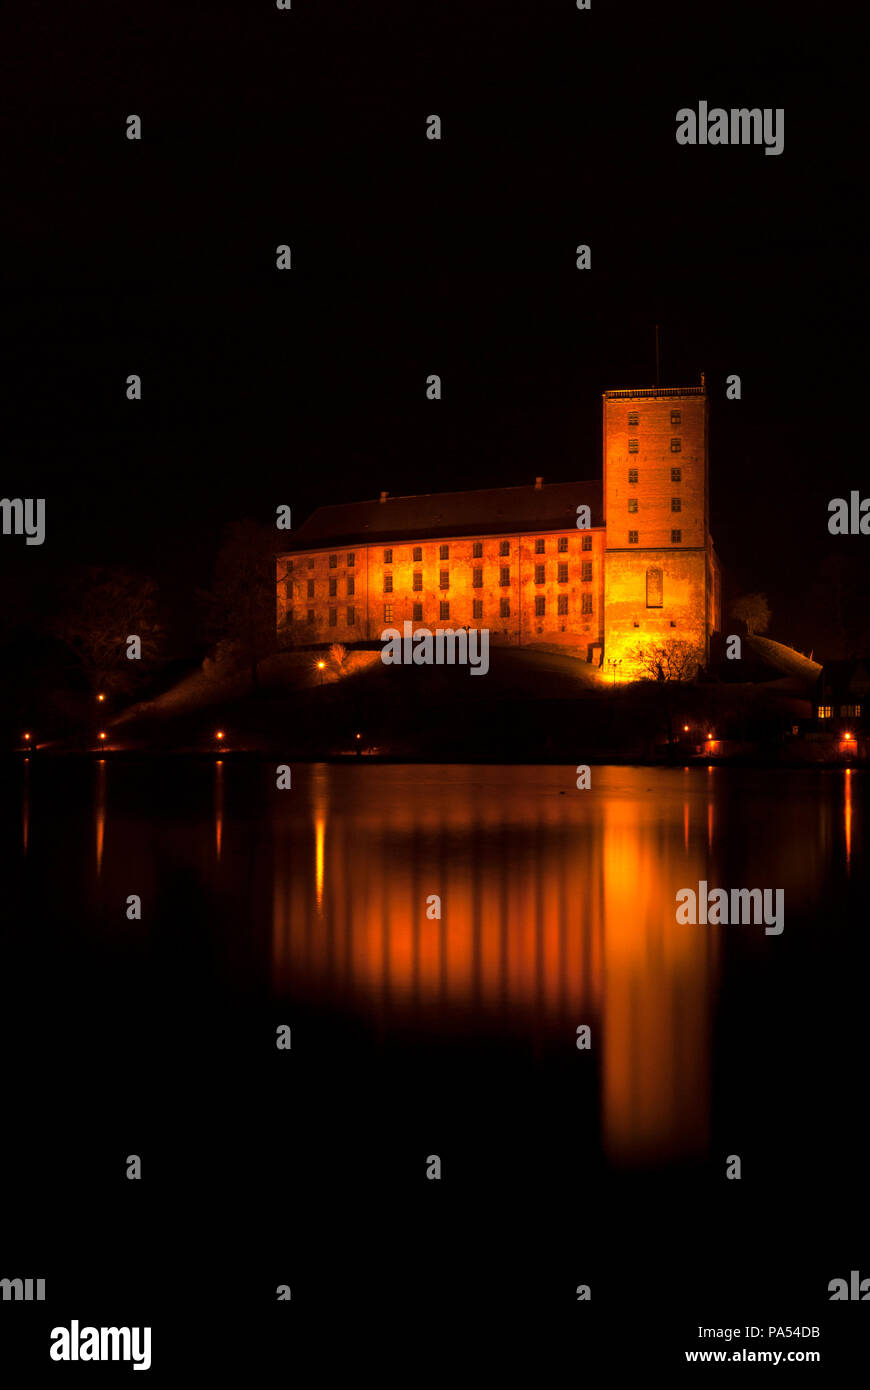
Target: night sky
[(411, 256)]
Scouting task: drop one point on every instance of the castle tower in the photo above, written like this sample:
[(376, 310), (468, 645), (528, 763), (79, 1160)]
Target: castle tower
[(661, 575)]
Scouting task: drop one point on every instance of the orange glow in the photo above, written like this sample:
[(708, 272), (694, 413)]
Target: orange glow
[(219, 735), (100, 811), (218, 805), (848, 819), (26, 737), (685, 728), (101, 697), (847, 736), (102, 735), (320, 665)]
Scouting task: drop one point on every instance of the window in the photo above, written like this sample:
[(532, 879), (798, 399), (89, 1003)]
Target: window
[(477, 550), (333, 561), (417, 613), (632, 504), (563, 544), (311, 588), (311, 563), (632, 446), (444, 552), (416, 581), (850, 711), (586, 543), (654, 583), (388, 557), (540, 605), (676, 475), (351, 585), (444, 579), (504, 575), (586, 572), (563, 573), (505, 608), (417, 553), (539, 546), (477, 608), (388, 612), (676, 446), (633, 417), (676, 538), (632, 537), (351, 558), (676, 504), (333, 617), (351, 617), (444, 608), (632, 477), (388, 583), (311, 615), (477, 578), (539, 574), (824, 711), (563, 605), (504, 548), (675, 417), (586, 603), (333, 588)]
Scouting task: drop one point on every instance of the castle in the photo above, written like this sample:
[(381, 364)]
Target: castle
[(599, 568)]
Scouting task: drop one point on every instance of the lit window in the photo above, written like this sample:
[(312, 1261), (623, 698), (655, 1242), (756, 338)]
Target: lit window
[(563, 544), (632, 446), (632, 504), (563, 605), (477, 608), (504, 575), (539, 546), (824, 711), (444, 579), (632, 537), (540, 606), (632, 477), (586, 603), (676, 504), (676, 538), (505, 608), (586, 543), (416, 581), (418, 552), (586, 571), (676, 475), (477, 578), (388, 612), (445, 609), (676, 446), (563, 573), (444, 553), (388, 583), (539, 574), (850, 711), (388, 557), (477, 550)]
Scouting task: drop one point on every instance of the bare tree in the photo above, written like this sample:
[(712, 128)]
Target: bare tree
[(753, 610), (103, 607), (671, 660)]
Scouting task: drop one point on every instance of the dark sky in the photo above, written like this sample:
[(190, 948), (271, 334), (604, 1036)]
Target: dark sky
[(410, 256)]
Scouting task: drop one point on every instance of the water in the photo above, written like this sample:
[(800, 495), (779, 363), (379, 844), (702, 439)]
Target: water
[(413, 1036)]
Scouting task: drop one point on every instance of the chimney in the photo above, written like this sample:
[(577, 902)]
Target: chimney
[(539, 483), (383, 497)]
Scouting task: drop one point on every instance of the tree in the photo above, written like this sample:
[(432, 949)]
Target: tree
[(240, 605), (669, 663), (102, 608), (753, 610)]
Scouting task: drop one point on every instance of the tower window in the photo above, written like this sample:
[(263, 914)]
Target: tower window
[(388, 612), (505, 608), (444, 609), (388, 583), (505, 575), (539, 546), (654, 587), (633, 417), (563, 544), (563, 573), (477, 608), (676, 418), (444, 579), (477, 578), (676, 537), (586, 603), (388, 557), (676, 446), (539, 574), (417, 553), (477, 550), (676, 504), (504, 548), (632, 504), (563, 605), (540, 605), (416, 581), (444, 553), (632, 476), (632, 446), (676, 475), (417, 612), (586, 571), (586, 543), (632, 538)]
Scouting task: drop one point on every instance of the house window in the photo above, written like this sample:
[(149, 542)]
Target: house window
[(632, 504), (540, 605), (333, 617), (388, 612), (311, 615), (539, 546), (539, 574), (586, 571), (632, 446), (586, 543), (504, 548), (351, 585), (676, 475), (563, 544), (654, 587), (388, 557), (351, 617), (444, 608), (676, 504), (311, 588), (388, 583), (505, 608), (333, 588), (477, 578), (444, 552), (351, 558), (676, 446), (477, 550), (504, 575), (418, 553), (444, 579), (477, 608), (333, 561), (632, 537), (824, 711), (417, 612), (633, 417), (416, 581), (563, 573), (563, 605), (675, 417), (676, 538), (586, 603), (632, 477), (850, 711)]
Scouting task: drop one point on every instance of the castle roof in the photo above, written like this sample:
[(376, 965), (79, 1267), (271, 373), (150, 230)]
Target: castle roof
[(486, 511)]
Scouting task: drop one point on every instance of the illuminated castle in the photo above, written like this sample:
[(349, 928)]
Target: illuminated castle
[(642, 569)]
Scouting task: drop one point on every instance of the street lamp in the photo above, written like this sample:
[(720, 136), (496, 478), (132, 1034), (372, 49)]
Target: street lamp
[(320, 666), (614, 663), (219, 735), (103, 736), (101, 697)]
